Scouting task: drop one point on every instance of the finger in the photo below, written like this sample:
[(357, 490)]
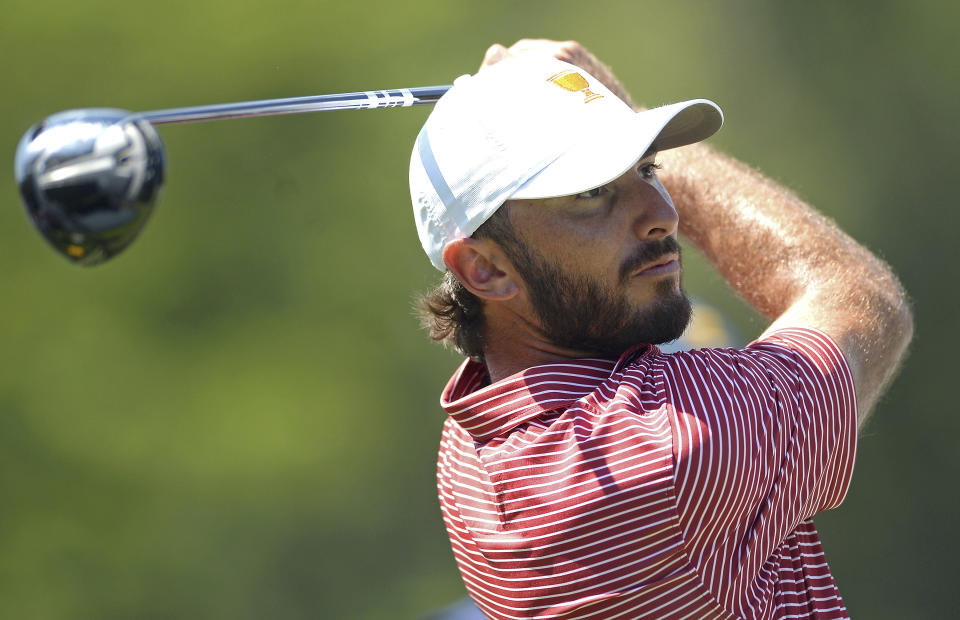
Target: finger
[(568, 51), (542, 46), (495, 53)]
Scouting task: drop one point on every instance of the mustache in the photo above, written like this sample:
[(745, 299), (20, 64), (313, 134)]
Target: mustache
[(647, 253)]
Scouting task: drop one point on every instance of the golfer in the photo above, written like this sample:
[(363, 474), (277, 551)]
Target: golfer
[(582, 472)]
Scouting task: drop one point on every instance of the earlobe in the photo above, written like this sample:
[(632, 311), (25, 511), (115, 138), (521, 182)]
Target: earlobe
[(477, 263)]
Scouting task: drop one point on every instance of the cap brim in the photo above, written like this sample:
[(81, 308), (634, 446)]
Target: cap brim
[(611, 149)]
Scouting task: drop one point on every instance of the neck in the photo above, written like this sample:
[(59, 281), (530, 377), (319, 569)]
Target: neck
[(515, 344)]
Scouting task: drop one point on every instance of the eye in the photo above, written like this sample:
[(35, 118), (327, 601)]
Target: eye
[(596, 192), (649, 170)]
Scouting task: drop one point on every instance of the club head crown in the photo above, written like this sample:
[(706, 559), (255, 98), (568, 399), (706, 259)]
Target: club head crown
[(89, 179)]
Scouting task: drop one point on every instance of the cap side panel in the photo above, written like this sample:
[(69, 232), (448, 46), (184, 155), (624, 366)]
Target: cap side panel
[(430, 166)]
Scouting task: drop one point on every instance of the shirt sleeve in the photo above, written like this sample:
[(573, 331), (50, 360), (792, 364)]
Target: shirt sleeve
[(764, 438)]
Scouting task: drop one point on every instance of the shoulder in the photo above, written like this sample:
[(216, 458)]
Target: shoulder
[(797, 356), (793, 378)]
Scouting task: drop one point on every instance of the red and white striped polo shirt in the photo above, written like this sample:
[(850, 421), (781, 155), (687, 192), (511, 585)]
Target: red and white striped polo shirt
[(658, 486)]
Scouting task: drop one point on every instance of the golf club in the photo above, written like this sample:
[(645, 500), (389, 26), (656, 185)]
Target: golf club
[(89, 177)]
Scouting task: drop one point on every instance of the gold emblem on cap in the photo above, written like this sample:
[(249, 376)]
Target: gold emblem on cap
[(569, 79)]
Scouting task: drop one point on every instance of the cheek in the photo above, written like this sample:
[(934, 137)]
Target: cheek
[(577, 244), (581, 250)]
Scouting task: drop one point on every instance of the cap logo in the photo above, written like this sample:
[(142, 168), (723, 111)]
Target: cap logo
[(574, 82)]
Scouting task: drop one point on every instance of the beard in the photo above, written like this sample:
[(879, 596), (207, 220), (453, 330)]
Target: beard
[(581, 313)]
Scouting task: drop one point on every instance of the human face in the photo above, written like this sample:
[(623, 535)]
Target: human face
[(602, 268)]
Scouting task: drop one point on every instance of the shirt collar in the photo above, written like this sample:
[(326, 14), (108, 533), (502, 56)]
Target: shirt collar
[(487, 410)]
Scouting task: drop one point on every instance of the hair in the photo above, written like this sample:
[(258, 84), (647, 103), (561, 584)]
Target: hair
[(452, 315)]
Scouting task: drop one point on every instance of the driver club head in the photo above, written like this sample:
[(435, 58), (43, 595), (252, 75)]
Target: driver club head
[(89, 179)]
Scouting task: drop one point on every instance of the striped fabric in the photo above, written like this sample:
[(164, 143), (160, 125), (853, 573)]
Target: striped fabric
[(656, 486)]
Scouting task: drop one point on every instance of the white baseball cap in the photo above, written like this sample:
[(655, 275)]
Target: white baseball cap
[(531, 126)]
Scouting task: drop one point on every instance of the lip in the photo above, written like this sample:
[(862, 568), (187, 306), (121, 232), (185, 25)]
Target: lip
[(665, 265)]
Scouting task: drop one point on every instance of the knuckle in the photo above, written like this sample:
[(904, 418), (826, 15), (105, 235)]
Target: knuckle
[(494, 53)]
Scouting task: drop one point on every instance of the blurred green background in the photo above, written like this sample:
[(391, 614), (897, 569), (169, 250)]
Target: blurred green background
[(238, 417)]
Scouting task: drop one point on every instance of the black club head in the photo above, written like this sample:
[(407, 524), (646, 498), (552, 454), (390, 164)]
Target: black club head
[(89, 179)]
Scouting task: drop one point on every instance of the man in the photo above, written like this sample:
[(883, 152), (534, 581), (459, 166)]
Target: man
[(582, 472)]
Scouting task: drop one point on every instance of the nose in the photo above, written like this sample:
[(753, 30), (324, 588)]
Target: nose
[(649, 207)]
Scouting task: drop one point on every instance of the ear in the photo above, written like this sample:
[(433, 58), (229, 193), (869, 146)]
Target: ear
[(482, 268)]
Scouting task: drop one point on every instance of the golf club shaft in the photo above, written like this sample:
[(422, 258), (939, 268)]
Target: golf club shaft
[(366, 100)]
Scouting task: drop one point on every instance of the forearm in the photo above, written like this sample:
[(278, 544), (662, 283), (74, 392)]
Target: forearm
[(770, 246), (791, 263)]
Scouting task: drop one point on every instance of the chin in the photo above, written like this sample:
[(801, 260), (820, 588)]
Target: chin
[(665, 319)]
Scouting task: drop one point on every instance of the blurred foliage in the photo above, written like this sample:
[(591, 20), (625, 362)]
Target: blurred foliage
[(238, 417)]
